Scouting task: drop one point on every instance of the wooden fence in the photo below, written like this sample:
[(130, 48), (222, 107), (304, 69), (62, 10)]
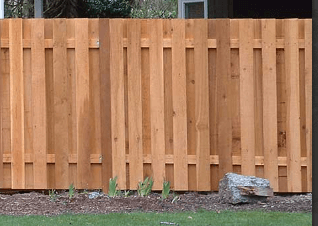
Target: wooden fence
[(180, 100)]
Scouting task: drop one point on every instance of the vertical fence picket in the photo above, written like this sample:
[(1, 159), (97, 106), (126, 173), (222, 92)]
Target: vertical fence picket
[(223, 78), (117, 101), (269, 102), (82, 104), (308, 88), (157, 102), (105, 99), (134, 103), (60, 104), (179, 98), (5, 108), (16, 104), (39, 104), (293, 106), (1, 107), (247, 97), (202, 105)]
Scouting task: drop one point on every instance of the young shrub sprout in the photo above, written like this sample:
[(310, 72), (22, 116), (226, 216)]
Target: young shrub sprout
[(166, 189), (144, 188), (112, 189)]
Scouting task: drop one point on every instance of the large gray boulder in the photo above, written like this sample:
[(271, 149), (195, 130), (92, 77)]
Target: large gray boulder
[(235, 188)]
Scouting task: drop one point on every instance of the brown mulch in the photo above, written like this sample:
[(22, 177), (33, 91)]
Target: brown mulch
[(37, 203)]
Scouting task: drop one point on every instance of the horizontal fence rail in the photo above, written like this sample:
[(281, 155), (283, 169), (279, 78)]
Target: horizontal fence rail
[(185, 101)]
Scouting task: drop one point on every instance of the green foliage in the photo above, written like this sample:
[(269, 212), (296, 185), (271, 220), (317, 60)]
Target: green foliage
[(144, 188), (71, 191), (127, 193), (155, 9), (112, 189), (52, 195), (166, 189), (18, 8), (175, 197), (107, 9)]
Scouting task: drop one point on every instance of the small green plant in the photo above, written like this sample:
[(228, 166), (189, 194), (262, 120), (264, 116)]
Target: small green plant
[(144, 188), (112, 189), (175, 197), (52, 195), (84, 191), (166, 189), (127, 193), (71, 191)]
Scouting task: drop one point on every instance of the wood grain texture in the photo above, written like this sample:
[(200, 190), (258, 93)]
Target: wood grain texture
[(157, 102), (270, 102), (223, 77), (17, 104), (308, 90), (247, 96), (179, 98), (293, 106), (60, 88), (1, 107), (202, 105), (105, 102), (117, 102), (134, 104), (82, 104), (39, 104)]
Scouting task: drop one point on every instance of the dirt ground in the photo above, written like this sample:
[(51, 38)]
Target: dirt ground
[(38, 203)]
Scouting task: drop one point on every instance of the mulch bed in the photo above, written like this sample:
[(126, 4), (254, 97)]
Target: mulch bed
[(37, 203)]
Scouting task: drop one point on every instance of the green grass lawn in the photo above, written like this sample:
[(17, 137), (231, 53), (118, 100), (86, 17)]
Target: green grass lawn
[(185, 218)]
